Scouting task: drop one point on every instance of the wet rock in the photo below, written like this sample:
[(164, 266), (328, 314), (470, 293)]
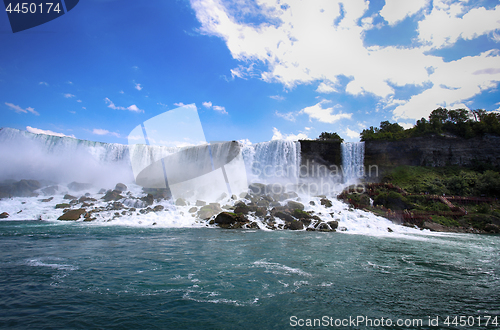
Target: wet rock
[(193, 209), (312, 203), (324, 227), (112, 195), (52, 190), (46, 200), (115, 206), (23, 188), (295, 225), (325, 202), (295, 205), (260, 212), (253, 225), (68, 196), (121, 187), (158, 208), (230, 220), (389, 229), (221, 197), (4, 215), (208, 211), (62, 206), (102, 191), (333, 224), (200, 203), (241, 208), (284, 215), (72, 215), (148, 199), (77, 186), (84, 199), (257, 188), (432, 226), (180, 202), (243, 195), (492, 228)]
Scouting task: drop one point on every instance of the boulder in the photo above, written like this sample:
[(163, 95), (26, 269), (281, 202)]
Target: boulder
[(148, 199), (241, 208), (257, 188), (158, 208), (292, 205), (325, 202), (121, 187), (84, 199), (52, 190), (62, 206), (208, 211), (295, 225), (102, 191), (193, 209), (200, 203), (333, 224), (46, 200), (324, 227), (180, 202), (23, 188), (72, 215), (4, 215), (284, 215), (492, 228), (77, 186), (112, 195), (68, 196), (230, 220)]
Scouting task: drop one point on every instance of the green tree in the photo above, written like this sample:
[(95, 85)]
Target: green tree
[(330, 136)]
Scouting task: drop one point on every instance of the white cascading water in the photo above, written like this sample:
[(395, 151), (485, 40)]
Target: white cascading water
[(64, 159), (353, 157), (272, 162)]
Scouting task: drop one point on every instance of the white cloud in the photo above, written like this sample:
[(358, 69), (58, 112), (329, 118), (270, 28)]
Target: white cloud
[(290, 116), (207, 104), (69, 83), (324, 115), (68, 95), (46, 132), (79, 101), (138, 87), (351, 134), (99, 131), (397, 10), (220, 109), (277, 97), (121, 92), (326, 88), (43, 83), (180, 104), (277, 135), (406, 125), (132, 108), (300, 45), (450, 21), (18, 109)]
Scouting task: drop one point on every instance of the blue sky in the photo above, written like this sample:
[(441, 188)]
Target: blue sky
[(256, 70)]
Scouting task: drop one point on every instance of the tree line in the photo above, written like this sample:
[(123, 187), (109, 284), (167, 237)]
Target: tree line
[(459, 122)]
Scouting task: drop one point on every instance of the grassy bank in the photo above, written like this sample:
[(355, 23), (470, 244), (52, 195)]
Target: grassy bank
[(444, 198)]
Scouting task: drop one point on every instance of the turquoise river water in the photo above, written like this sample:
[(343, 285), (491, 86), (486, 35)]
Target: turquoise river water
[(80, 276)]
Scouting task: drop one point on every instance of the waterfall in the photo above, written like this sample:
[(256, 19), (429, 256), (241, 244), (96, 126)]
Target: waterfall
[(61, 159), (272, 162), (353, 157)]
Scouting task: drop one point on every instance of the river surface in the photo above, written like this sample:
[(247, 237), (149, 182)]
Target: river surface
[(77, 275)]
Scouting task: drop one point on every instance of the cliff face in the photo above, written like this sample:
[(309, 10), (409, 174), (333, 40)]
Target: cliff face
[(320, 152), (433, 151)]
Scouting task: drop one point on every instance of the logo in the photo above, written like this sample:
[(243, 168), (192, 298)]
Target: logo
[(170, 152), (25, 15)]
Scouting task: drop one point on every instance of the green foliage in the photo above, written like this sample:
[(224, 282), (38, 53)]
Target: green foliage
[(445, 180), (330, 136), (459, 122), (392, 200), (445, 221), (359, 199)]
